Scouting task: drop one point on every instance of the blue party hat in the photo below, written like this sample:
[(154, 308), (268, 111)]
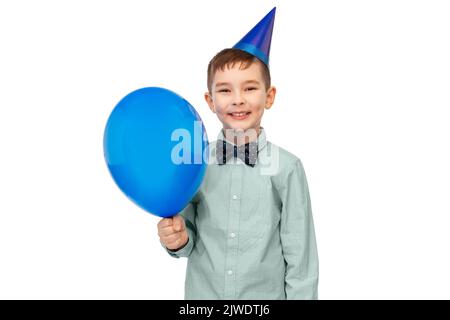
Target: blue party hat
[(257, 41)]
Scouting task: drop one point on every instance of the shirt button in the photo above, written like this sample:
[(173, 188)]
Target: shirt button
[(235, 197), (230, 272), (232, 235)]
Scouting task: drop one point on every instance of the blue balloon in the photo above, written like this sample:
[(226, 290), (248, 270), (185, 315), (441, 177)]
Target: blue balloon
[(155, 146)]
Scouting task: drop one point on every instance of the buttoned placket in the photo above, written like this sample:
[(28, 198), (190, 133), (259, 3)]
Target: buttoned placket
[(233, 230)]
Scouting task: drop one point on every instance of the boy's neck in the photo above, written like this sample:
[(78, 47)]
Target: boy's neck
[(239, 137)]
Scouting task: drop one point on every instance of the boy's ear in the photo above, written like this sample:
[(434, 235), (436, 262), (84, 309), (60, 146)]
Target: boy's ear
[(271, 93), (209, 101)]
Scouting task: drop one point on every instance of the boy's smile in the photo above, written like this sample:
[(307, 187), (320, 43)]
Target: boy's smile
[(239, 97)]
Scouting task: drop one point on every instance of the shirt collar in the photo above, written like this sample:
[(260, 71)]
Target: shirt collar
[(261, 138)]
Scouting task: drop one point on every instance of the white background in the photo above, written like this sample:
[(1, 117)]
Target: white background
[(363, 99)]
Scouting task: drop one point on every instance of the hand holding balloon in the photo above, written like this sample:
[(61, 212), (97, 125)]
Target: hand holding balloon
[(172, 232)]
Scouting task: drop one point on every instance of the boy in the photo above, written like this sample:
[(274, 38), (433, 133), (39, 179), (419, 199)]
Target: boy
[(248, 232)]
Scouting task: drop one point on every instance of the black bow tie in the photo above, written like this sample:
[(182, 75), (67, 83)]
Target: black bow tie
[(247, 152)]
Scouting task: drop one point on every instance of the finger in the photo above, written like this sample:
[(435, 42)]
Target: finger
[(171, 238), (165, 222), (163, 232), (175, 244)]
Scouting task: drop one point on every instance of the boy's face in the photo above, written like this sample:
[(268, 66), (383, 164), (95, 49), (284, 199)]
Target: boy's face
[(239, 97)]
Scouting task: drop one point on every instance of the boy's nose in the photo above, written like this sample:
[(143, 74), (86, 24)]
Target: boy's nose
[(237, 100)]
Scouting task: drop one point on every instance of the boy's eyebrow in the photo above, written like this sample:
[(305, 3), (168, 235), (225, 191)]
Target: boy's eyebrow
[(245, 82)]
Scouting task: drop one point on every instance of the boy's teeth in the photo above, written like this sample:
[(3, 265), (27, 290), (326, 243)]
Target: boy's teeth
[(239, 114)]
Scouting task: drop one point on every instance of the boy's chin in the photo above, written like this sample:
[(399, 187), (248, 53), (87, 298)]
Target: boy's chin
[(239, 129)]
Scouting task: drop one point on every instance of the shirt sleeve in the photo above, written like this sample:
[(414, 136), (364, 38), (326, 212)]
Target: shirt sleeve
[(188, 214), (298, 237)]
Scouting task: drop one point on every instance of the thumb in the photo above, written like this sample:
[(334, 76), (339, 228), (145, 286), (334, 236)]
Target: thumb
[(178, 223)]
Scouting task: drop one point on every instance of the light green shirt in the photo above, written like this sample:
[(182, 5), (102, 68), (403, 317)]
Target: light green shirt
[(251, 231)]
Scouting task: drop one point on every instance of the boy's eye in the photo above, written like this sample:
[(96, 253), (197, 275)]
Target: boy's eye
[(224, 90), (252, 88)]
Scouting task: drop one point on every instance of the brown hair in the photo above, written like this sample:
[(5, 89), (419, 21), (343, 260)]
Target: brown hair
[(228, 58)]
